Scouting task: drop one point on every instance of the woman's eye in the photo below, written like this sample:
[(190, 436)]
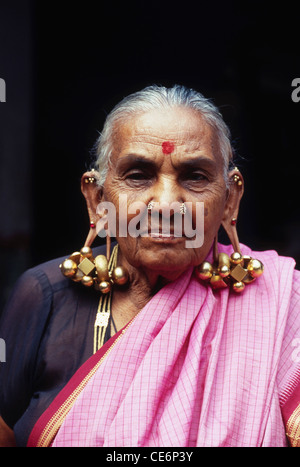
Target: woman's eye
[(198, 176), (137, 176), (195, 176)]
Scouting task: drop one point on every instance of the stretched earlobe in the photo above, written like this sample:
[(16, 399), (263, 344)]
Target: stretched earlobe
[(89, 186), (93, 194), (229, 221), (237, 270)]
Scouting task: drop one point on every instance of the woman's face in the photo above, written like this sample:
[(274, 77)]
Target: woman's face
[(165, 156)]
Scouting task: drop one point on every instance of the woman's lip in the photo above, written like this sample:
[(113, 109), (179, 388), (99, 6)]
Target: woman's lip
[(161, 235), (169, 239), (158, 234)]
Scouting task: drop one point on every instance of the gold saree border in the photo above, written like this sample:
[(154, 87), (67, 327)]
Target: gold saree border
[(293, 428), (53, 425)]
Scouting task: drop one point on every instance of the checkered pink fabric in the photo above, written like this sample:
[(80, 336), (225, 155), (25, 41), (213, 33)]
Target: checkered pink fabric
[(197, 368)]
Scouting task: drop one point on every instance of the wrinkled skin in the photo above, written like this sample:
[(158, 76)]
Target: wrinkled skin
[(193, 171)]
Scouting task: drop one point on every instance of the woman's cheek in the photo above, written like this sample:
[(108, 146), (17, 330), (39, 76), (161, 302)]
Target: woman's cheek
[(213, 214)]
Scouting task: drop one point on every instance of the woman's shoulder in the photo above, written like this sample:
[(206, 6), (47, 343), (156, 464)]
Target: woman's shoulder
[(38, 286), (47, 275), (39, 282)]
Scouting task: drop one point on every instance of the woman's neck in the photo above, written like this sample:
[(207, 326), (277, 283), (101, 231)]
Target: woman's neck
[(143, 284)]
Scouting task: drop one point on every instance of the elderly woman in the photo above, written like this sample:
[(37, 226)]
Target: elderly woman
[(166, 337)]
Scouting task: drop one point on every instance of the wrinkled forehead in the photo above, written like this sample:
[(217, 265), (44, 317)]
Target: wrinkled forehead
[(168, 129)]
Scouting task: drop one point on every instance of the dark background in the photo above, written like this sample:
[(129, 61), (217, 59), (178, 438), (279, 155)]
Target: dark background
[(66, 64)]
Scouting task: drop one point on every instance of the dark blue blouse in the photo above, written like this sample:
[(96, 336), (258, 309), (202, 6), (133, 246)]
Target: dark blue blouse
[(48, 327)]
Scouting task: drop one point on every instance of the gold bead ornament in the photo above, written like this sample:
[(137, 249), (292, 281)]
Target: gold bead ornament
[(235, 271), (98, 272)]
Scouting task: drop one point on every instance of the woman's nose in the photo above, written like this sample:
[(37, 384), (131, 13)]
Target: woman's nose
[(166, 191)]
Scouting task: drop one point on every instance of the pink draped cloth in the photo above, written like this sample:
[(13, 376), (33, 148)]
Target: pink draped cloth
[(197, 367)]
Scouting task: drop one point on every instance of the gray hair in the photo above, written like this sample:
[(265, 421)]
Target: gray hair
[(153, 97)]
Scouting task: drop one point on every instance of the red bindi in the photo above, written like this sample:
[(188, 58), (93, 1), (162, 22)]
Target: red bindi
[(167, 147)]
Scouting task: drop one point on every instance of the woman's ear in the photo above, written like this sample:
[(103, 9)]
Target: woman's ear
[(231, 211), (93, 195)]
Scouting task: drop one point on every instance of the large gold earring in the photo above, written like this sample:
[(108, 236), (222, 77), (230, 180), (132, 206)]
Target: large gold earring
[(100, 271), (235, 271)]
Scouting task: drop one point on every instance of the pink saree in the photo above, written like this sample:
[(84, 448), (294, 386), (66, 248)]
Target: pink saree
[(194, 368)]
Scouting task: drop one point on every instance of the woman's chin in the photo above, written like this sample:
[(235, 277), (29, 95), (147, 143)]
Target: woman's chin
[(169, 264), (162, 256)]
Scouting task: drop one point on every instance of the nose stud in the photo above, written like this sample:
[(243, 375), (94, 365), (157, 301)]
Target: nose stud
[(150, 205), (182, 208)]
